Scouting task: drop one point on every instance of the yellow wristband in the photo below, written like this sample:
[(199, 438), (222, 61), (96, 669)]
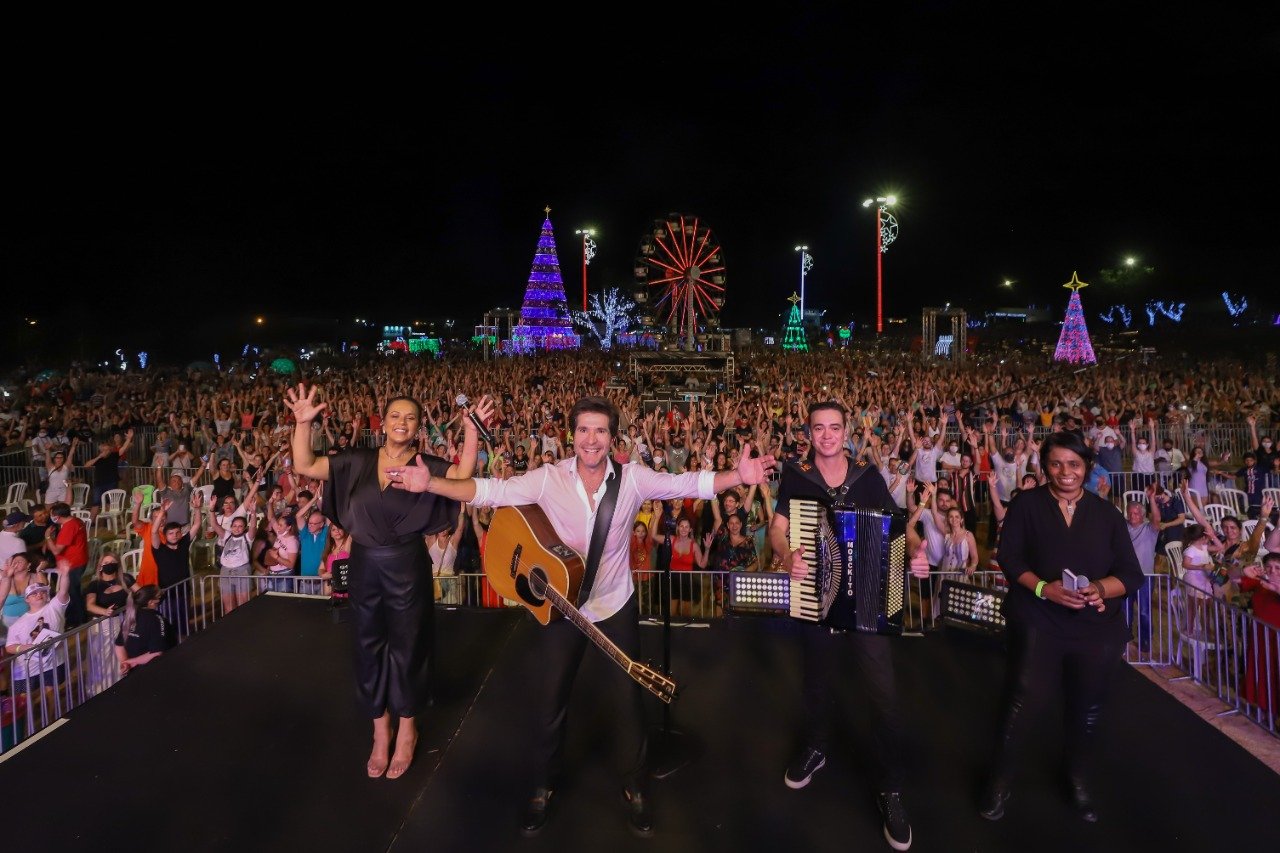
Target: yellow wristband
[(1040, 589)]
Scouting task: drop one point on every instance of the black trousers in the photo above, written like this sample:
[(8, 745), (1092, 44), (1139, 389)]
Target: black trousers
[(559, 649), (1039, 661), (873, 664), (394, 625)]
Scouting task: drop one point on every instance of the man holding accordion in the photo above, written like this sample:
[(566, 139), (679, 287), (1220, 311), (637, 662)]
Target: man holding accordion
[(829, 478)]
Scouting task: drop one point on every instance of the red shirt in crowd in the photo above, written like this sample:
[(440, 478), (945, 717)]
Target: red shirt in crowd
[(74, 542)]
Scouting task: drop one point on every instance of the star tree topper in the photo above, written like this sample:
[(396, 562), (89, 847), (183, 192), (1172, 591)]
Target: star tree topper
[(1075, 284)]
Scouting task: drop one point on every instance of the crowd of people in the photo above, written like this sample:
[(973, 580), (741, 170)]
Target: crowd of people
[(971, 432)]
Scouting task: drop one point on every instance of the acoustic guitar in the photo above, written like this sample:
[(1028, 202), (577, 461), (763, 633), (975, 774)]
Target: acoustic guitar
[(525, 561)]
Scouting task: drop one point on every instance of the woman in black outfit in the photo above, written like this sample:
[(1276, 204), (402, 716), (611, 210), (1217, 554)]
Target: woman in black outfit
[(145, 634), (1075, 638), (390, 586)]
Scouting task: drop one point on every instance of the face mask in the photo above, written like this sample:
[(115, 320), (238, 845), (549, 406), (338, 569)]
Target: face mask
[(953, 448), (1142, 446)]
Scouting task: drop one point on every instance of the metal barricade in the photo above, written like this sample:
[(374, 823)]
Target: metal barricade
[(44, 683), (1228, 651), (1151, 630)]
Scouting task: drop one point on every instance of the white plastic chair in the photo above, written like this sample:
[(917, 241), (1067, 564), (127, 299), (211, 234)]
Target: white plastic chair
[(1215, 513), (205, 492), (1191, 625), (130, 561), (115, 547), (1237, 499), (1173, 550), (79, 495), (112, 514), (1135, 496), (1274, 494), (16, 499)]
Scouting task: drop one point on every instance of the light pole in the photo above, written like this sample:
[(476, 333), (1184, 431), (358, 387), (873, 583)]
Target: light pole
[(886, 233), (806, 264), (588, 252)]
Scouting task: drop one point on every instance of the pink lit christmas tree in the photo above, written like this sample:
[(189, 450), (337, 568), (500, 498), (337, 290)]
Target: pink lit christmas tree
[(1073, 343), (544, 316)]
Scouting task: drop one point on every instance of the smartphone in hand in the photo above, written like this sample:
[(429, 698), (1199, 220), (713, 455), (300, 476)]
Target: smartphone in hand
[(1074, 582)]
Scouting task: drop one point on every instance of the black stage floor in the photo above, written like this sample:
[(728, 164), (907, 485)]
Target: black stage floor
[(247, 737)]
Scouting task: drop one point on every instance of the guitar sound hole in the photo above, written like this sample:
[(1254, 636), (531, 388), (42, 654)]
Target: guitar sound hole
[(532, 588)]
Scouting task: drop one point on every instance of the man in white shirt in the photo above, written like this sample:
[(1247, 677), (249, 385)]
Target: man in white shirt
[(569, 492), (44, 620), (10, 542), (925, 458)]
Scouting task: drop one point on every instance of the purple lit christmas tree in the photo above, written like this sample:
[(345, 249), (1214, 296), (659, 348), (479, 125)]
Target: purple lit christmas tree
[(1073, 343), (544, 316)]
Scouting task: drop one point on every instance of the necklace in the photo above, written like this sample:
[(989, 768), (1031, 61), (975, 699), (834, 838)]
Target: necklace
[(395, 458), (1071, 504)]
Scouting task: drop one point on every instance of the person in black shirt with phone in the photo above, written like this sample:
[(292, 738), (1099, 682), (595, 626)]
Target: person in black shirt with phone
[(1073, 637)]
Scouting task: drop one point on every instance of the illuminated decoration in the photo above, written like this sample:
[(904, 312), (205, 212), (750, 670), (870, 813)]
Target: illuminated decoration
[(806, 264), (142, 360), (1171, 310), (1235, 308), (886, 233), (1074, 346), (845, 333), (680, 277), (124, 362), (283, 366), (793, 333), (610, 313), (588, 252), (1117, 314), (943, 345), (423, 344), (217, 360), (544, 316)]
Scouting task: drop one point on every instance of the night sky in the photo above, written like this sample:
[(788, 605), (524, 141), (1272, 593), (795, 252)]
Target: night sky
[(223, 180)]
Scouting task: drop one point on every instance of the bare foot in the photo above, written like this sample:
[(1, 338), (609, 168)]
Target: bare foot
[(406, 742), (380, 755)]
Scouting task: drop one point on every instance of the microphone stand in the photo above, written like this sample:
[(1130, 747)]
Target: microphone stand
[(672, 748)]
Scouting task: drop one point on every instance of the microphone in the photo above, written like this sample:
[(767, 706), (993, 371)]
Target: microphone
[(462, 400)]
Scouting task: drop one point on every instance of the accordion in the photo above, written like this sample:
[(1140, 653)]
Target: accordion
[(857, 567)]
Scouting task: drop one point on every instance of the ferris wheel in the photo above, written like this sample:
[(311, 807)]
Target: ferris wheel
[(680, 276)]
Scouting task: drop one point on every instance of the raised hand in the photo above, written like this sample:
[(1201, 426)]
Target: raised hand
[(484, 410), (754, 471), (302, 403)]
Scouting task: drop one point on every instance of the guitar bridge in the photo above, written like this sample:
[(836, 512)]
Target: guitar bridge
[(515, 558)]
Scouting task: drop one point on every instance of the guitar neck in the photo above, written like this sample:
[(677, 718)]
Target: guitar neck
[(587, 627)]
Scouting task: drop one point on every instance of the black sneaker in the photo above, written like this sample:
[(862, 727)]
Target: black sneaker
[(807, 763), (897, 826)]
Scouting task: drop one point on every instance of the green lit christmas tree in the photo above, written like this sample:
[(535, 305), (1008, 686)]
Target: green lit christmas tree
[(793, 333)]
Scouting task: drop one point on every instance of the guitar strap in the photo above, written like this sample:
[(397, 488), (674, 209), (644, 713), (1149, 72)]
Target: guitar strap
[(604, 515)]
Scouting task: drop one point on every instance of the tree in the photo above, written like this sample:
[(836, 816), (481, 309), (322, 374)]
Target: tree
[(1074, 345), (793, 337), (609, 313)]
